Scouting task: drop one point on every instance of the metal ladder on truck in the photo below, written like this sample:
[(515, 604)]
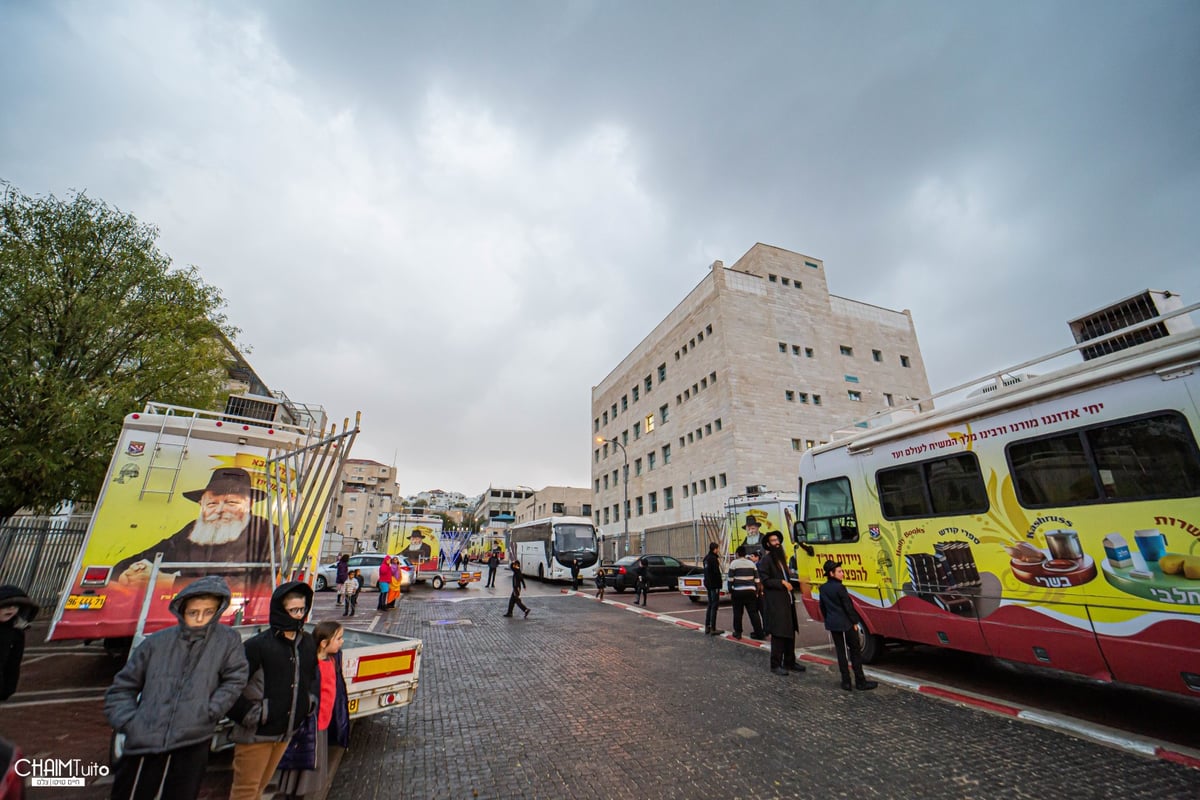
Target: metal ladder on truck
[(177, 466)]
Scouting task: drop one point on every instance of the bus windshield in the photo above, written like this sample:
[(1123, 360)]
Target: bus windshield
[(574, 538)]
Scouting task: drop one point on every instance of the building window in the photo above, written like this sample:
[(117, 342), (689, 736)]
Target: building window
[(557, 508), (712, 483), (853, 395), (694, 487), (904, 361), (717, 423), (680, 442), (624, 402), (640, 506), (606, 481), (596, 425), (606, 515), (662, 412), (816, 399), (637, 467), (888, 399), (650, 457), (808, 352), (693, 343), (695, 388), (789, 395), (877, 355), (649, 423), (606, 417), (811, 264), (587, 510), (648, 382), (699, 434), (685, 491), (626, 509), (797, 284), (708, 429), (662, 372), (625, 436), (708, 329), (700, 336), (653, 502), (669, 497), (795, 444), (773, 278), (809, 444), (783, 347), (616, 512), (721, 478), (795, 349), (786, 282), (851, 378), (614, 412), (614, 480), (691, 437), (598, 486), (846, 351), (676, 355), (685, 349), (597, 455), (635, 394), (687, 394), (712, 377), (637, 430), (666, 451), (597, 517), (803, 397)]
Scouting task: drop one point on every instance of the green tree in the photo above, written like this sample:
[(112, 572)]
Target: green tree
[(94, 322)]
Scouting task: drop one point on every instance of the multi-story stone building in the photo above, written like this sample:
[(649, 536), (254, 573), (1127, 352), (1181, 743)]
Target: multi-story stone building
[(499, 504), (556, 501), (758, 363), (366, 492)]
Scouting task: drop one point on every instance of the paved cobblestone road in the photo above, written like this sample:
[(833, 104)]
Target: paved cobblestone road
[(583, 700)]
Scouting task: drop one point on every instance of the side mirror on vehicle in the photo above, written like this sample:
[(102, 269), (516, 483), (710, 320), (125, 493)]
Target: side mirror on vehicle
[(800, 538)]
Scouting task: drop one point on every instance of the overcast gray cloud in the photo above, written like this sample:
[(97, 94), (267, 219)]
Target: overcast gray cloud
[(459, 217)]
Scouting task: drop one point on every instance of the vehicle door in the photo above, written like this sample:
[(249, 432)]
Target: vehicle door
[(655, 571), (671, 570)]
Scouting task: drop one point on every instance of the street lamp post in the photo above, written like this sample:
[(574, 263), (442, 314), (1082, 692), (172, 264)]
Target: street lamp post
[(625, 455)]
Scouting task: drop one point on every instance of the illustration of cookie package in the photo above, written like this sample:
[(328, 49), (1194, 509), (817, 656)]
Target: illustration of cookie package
[(951, 566)]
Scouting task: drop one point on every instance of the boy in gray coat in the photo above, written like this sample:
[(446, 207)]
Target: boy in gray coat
[(187, 677)]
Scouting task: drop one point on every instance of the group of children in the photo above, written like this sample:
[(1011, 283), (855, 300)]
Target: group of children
[(283, 690)]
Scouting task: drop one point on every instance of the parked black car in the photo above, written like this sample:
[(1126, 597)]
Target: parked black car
[(664, 572)]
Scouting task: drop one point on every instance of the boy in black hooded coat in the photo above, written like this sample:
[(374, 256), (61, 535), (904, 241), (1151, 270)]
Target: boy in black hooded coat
[(16, 612)]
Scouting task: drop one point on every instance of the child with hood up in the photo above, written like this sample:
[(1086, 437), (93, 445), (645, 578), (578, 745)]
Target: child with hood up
[(171, 693)]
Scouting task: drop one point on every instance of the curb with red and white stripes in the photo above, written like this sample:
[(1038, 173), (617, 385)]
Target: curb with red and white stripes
[(1100, 734)]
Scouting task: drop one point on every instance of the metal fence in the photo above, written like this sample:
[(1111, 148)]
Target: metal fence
[(687, 541), (36, 553)]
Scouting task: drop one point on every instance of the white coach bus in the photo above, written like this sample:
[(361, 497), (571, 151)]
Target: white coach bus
[(547, 547)]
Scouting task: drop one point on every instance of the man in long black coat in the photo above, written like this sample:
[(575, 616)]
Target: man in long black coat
[(779, 607)]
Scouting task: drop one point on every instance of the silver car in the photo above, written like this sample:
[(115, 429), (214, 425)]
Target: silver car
[(368, 564)]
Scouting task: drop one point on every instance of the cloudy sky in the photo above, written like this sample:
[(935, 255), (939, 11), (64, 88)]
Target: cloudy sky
[(458, 217)]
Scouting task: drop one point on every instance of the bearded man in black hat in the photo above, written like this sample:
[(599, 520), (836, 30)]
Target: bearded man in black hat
[(419, 551), (225, 530), (753, 541)]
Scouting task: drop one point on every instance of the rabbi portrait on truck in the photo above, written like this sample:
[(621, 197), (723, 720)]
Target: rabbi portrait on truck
[(225, 530)]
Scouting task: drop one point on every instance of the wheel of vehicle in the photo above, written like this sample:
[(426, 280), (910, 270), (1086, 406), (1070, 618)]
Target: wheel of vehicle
[(619, 589), (694, 599), (541, 572), (322, 584), (872, 647), (438, 582), (462, 586)]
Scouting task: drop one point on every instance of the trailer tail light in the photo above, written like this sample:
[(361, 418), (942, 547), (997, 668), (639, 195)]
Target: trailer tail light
[(388, 699), (95, 576)]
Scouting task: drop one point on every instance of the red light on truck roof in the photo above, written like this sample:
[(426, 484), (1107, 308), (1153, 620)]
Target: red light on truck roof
[(245, 427), (95, 576), (135, 416), (219, 423)]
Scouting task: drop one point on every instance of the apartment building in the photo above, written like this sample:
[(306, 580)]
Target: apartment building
[(366, 491), (499, 504), (556, 501), (756, 364)]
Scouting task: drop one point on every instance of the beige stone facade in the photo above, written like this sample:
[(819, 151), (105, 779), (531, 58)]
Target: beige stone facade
[(556, 501), (367, 490), (758, 363)]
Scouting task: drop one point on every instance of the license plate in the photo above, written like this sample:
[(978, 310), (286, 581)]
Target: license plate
[(353, 705), (84, 602)]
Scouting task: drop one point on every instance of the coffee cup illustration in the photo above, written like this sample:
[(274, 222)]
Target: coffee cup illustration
[(1151, 544)]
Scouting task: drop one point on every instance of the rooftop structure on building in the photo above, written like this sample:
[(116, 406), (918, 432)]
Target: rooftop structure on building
[(1137, 308), (758, 363), (555, 501), (499, 504)]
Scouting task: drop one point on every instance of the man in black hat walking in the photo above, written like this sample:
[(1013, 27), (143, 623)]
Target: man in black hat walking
[(779, 608), (226, 530)]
